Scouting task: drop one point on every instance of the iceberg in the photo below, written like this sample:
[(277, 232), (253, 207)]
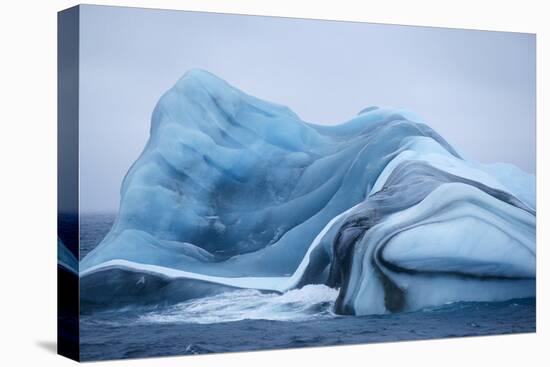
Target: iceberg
[(65, 258), (232, 192)]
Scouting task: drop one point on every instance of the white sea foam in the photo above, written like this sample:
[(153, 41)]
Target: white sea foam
[(311, 301)]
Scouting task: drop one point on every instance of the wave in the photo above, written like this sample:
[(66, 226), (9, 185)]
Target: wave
[(308, 302)]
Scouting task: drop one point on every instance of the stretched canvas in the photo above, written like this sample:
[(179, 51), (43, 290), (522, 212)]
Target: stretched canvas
[(235, 183)]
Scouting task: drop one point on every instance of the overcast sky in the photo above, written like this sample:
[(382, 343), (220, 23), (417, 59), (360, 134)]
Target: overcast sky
[(476, 88)]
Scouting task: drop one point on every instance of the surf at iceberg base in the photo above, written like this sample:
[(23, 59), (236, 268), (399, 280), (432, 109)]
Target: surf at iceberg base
[(236, 195)]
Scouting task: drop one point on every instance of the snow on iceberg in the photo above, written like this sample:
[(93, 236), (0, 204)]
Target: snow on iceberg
[(234, 192)]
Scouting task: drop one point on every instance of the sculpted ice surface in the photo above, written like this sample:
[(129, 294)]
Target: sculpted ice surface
[(233, 192)]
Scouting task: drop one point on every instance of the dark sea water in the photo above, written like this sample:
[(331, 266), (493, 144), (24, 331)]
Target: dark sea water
[(93, 228), (246, 320)]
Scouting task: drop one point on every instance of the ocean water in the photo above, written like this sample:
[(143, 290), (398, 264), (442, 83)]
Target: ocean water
[(246, 320)]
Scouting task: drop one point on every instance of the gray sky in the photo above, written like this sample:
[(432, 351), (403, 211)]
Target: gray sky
[(476, 88)]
